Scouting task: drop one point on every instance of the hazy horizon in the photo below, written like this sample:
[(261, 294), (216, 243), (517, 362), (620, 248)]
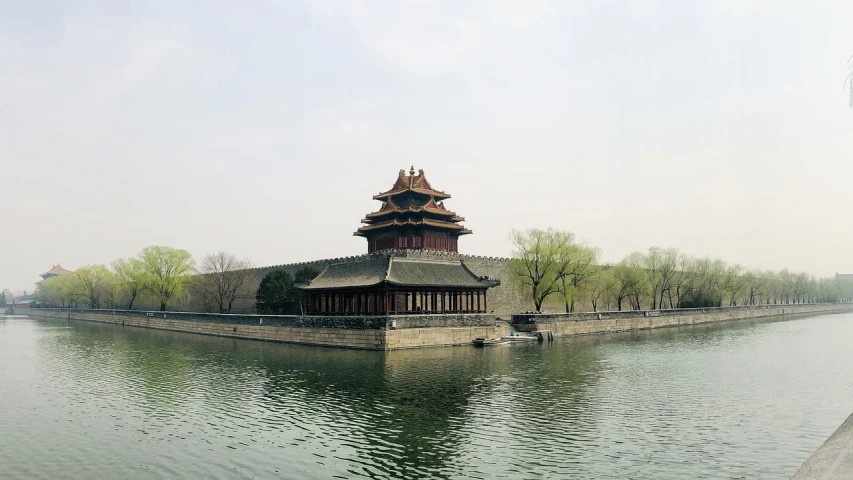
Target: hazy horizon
[(719, 128)]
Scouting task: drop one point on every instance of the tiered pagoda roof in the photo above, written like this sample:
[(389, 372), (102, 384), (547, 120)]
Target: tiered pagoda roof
[(412, 203), (412, 266)]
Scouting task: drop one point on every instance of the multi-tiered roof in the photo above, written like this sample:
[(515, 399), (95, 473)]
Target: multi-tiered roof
[(412, 216), (401, 275)]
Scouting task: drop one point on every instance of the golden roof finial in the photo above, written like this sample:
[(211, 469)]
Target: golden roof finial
[(412, 171)]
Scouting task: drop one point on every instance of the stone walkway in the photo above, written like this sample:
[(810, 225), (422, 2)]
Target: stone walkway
[(834, 459)]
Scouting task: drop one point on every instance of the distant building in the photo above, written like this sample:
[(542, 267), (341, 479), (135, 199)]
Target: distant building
[(56, 271)]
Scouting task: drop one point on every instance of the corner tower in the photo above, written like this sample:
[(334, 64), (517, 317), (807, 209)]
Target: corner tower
[(412, 217)]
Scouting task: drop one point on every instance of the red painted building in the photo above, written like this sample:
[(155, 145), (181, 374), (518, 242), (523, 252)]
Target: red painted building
[(412, 264), (412, 216)]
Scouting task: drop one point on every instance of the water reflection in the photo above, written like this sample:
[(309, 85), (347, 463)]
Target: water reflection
[(663, 404)]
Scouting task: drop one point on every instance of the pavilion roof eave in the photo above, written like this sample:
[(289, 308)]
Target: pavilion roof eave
[(436, 211), (431, 193), (423, 222), (390, 284), (390, 271)]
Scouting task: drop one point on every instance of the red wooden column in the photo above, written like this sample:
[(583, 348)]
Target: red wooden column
[(387, 295), (478, 300)]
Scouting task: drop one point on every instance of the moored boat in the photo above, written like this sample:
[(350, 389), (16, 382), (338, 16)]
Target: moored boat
[(487, 342), (520, 338)]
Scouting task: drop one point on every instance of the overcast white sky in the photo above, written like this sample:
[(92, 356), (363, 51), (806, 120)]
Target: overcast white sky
[(263, 128)]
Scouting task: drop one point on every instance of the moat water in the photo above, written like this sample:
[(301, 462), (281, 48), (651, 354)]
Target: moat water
[(747, 400)]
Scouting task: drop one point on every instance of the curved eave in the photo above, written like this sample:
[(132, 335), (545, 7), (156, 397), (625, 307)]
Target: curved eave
[(452, 216), (431, 193), (374, 227), (484, 285)]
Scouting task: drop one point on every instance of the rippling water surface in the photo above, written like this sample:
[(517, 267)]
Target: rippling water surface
[(83, 400)]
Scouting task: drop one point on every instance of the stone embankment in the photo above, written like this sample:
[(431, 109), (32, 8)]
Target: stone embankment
[(564, 324), (372, 333), (414, 331), (834, 459)]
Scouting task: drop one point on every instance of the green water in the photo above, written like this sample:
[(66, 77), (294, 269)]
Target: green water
[(750, 400)]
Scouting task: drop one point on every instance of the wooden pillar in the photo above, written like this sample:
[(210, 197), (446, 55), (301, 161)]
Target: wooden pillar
[(387, 311), (478, 300), (442, 302), (485, 301)]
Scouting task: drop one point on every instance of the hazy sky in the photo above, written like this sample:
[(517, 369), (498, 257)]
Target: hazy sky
[(264, 128)]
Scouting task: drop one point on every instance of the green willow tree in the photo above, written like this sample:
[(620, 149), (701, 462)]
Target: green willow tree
[(130, 276), (581, 265), (93, 283), (546, 262), (167, 271)]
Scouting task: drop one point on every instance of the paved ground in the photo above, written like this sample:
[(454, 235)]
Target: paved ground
[(834, 459)]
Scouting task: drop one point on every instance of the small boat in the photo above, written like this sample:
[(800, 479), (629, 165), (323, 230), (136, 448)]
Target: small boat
[(487, 342), (521, 338)]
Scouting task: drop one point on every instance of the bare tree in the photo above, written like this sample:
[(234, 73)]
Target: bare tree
[(223, 279)]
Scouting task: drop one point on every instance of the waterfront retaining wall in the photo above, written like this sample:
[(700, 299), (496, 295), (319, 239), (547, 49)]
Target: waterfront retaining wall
[(372, 333), (833, 460), (564, 324), (414, 331)]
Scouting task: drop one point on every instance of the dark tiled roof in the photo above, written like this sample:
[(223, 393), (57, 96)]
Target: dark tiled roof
[(411, 183), (403, 272), (362, 273), (411, 272)]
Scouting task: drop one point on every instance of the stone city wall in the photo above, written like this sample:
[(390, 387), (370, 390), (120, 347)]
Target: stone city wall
[(372, 333), (610, 322), (502, 300)]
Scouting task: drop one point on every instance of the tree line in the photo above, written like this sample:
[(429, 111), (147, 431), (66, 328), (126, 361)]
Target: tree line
[(161, 275), (553, 265)]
